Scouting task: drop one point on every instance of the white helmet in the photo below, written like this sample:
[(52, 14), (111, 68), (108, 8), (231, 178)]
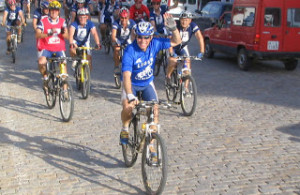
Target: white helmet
[(80, 1), (83, 11)]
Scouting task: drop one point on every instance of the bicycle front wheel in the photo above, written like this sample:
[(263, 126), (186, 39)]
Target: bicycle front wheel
[(66, 101), (107, 45), (188, 95), (117, 81), (156, 69), (129, 150), (50, 94), (86, 82), (154, 164), (171, 89)]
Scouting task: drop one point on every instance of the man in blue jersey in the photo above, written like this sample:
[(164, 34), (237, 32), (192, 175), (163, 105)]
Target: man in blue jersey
[(137, 68), (79, 34), (13, 16), (186, 29), (122, 30)]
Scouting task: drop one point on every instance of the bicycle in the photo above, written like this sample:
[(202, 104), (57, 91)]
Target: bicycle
[(82, 71), (183, 82), (117, 75), (13, 41), (142, 139), (58, 85), (107, 40), (161, 61)]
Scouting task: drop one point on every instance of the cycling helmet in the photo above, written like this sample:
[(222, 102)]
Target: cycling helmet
[(45, 5), (54, 5), (186, 14), (12, 2), (80, 1), (124, 12), (144, 28), (83, 11)]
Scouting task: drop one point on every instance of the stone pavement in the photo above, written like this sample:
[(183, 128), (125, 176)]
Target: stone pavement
[(244, 137)]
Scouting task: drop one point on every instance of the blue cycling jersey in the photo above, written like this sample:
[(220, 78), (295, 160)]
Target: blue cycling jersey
[(107, 11), (123, 34), (159, 19), (141, 64), (82, 33), (186, 35), (12, 16)]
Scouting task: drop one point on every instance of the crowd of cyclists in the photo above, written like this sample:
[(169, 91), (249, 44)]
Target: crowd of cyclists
[(144, 33)]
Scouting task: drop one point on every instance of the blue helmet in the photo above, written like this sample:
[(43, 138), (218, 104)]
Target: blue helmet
[(45, 5), (144, 28)]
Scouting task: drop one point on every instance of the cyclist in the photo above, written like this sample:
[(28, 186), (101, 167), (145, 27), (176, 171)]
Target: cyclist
[(107, 11), (43, 11), (13, 16), (121, 31), (139, 12), (156, 16), (137, 68), (186, 29), (78, 5), (26, 4), (79, 34), (68, 4), (52, 32)]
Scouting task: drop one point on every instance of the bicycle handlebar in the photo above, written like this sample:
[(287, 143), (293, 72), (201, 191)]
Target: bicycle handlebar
[(181, 58), (86, 48), (149, 104)]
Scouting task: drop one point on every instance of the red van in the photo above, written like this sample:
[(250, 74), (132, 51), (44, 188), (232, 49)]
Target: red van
[(258, 30)]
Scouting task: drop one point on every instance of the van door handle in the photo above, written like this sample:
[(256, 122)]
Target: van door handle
[(274, 36)]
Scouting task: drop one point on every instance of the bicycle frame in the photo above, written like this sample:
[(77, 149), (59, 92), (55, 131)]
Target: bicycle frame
[(84, 61)]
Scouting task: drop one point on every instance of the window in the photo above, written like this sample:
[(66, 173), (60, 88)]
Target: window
[(192, 1), (214, 10), (293, 17), (272, 17), (205, 10), (182, 1), (243, 16)]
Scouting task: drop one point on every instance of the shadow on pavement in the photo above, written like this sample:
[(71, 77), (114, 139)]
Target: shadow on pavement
[(293, 130), (75, 159)]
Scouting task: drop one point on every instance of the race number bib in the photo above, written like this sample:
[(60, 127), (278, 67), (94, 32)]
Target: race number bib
[(184, 36), (159, 20), (81, 34), (12, 16), (54, 39), (124, 33)]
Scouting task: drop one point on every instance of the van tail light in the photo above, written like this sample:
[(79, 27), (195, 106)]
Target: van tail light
[(257, 39)]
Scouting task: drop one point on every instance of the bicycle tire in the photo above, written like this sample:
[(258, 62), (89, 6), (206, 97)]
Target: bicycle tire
[(185, 96), (156, 69), (86, 84), (118, 80), (77, 76), (154, 183), (107, 46), (51, 97), (13, 50), (171, 91), (165, 62), (66, 101), (22, 34), (129, 150)]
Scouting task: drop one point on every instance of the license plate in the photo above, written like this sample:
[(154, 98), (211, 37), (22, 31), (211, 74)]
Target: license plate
[(273, 45)]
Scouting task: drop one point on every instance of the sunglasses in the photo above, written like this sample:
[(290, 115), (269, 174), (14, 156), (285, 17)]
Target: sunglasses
[(155, 3), (123, 18), (143, 37)]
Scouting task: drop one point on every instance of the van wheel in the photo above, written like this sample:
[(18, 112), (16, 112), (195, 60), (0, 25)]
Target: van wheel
[(290, 64), (242, 59), (209, 53)]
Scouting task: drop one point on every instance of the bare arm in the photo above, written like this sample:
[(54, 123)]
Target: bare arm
[(114, 35), (153, 24), (34, 23), (22, 17), (95, 35), (127, 82), (199, 37), (4, 18), (170, 24), (71, 34), (39, 34), (65, 35)]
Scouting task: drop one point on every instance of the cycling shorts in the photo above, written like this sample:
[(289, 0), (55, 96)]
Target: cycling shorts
[(182, 52), (148, 92), (48, 54)]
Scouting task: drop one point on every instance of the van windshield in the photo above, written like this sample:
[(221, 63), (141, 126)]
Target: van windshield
[(293, 17)]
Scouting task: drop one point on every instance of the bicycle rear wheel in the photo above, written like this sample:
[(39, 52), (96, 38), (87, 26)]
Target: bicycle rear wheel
[(154, 172), (86, 84), (107, 44), (129, 150), (188, 95), (171, 90), (66, 101), (77, 76), (165, 62), (51, 93)]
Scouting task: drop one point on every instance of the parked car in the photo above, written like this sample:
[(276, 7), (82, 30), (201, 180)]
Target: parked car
[(210, 13), (2, 5), (257, 30)]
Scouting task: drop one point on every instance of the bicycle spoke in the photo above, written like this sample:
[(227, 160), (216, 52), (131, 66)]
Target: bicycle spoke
[(66, 101)]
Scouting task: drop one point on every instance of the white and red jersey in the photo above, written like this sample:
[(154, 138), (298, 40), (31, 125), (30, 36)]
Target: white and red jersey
[(55, 42)]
